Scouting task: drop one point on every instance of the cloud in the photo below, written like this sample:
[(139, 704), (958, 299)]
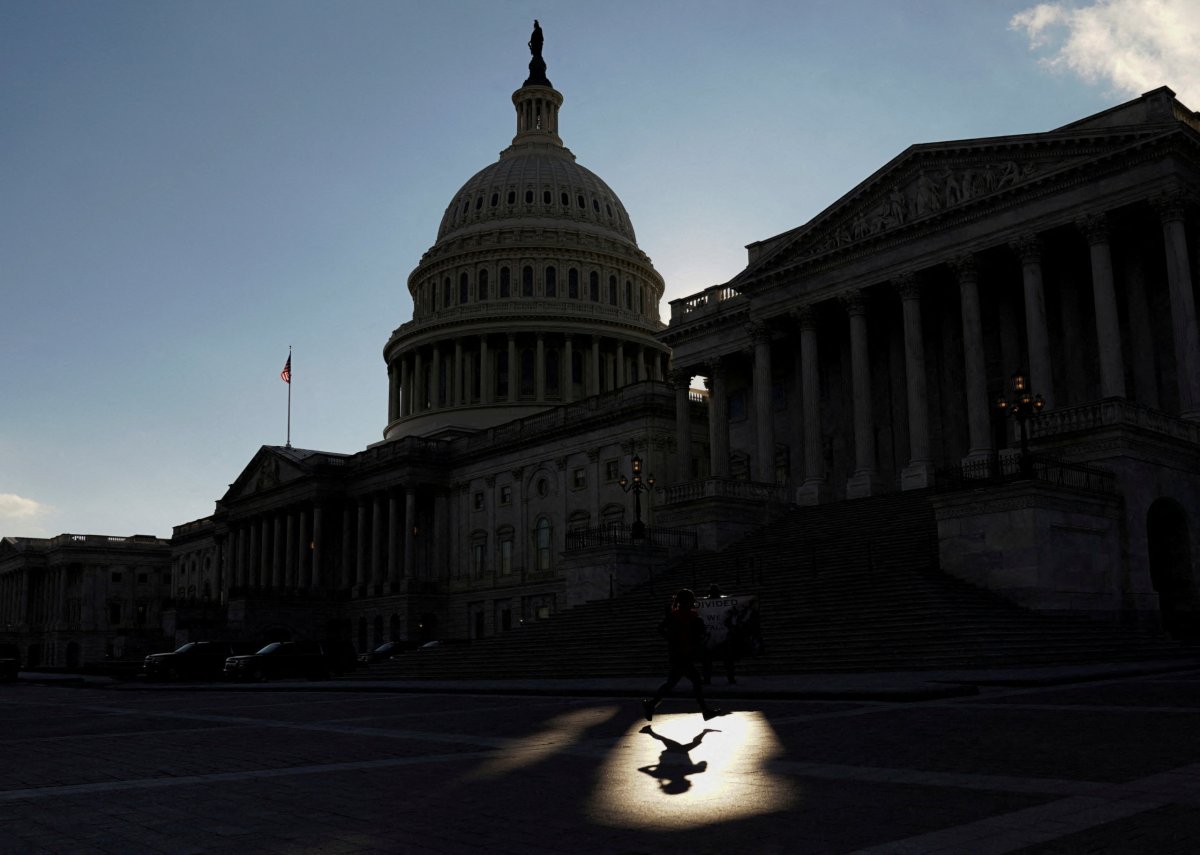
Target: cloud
[(23, 512), (1131, 45)]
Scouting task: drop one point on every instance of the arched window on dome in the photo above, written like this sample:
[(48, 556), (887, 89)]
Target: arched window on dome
[(551, 281), (594, 286), (495, 199), (505, 283), (526, 281), (552, 372), (573, 284), (595, 205), (512, 197), (464, 288), (528, 370), (628, 294), (478, 202), (483, 284), (641, 298), (565, 198), (546, 197), (612, 290), (528, 197), (447, 293), (581, 201)]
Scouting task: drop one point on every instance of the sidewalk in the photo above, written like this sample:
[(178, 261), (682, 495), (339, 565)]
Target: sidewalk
[(895, 686)]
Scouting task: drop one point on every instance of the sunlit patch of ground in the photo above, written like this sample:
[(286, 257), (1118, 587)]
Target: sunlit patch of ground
[(559, 733), (681, 771)]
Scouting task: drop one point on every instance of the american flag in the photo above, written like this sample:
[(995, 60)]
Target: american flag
[(286, 374)]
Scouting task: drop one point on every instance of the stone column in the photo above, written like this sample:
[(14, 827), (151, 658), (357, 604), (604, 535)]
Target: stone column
[(457, 399), (865, 480), (1172, 211), (257, 554), (619, 374), (514, 370), (362, 545), (393, 392), (919, 471), (595, 365), (377, 533), (348, 551), (487, 380), (277, 550), (418, 402), (539, 368), (718, 422), (1041, 373), (318, 537), (393, 539), (641, 364), (974, 368), (681, 379), (814, 490), (410, 522), (569, 355), (289, 551), (1108, 328), (304, 541), (764, 410), (435, 382), (406, 386)]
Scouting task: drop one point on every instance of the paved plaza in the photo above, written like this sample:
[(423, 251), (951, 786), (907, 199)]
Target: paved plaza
[(1109, 765)]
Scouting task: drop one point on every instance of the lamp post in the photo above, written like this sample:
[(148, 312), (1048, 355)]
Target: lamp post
[(636, 486), (1022, 407)]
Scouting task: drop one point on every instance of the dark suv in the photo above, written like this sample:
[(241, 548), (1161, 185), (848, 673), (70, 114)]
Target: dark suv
[(281, 659), (196, 660)]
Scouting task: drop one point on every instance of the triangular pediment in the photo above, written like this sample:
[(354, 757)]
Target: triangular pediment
[(933, 181), (274, 466)]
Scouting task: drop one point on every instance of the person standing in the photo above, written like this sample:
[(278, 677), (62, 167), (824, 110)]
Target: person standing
[(684, 632)]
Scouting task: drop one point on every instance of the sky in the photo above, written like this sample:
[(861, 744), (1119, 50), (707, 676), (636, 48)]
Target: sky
[(189, 188)]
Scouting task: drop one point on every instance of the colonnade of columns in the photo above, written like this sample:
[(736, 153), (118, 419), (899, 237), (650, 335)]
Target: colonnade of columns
[(536, 367), (289, 548), (1046, 376)]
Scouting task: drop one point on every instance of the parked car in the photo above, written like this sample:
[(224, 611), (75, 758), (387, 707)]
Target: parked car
[(282, 659), (10, 662), (386, 651), (196, 660)]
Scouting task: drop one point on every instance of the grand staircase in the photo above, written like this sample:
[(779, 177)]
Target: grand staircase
[(845, 587)]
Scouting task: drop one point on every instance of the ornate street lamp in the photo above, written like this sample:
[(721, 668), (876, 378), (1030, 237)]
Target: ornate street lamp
[(1024, 405), (636, 486)]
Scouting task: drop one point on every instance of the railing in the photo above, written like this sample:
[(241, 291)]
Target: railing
[(1035, 467), (562, 307), (1108, 413), (726, 488), (619, 534), (706, 299)]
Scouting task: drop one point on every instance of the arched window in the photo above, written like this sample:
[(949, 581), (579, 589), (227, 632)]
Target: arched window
[(543, 544), (483, 284), (504, 538), (573, 284), (512, 196), (478, 553), (447, 293), (463, 287), (565, 199), (505, 283), (551, 282), (528, 197), (628, 294), (526, 281), (594, 286), (612, 290), (495, 199), (545, 197)]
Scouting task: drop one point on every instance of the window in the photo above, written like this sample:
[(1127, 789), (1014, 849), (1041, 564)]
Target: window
[(483, 284), (139, 616), (612, 290), (543, 544), (495, 199), (610, 470), (506, 552), (594, 286), (543, 487), (478, 501), (628, 294), (565, 199), (545, 197), (579, 199), (512, 196), (505, 283), (506, 494), (446, 293), (528, 197), (573, 284), (579, 478), (527, 281), (478, 551), (478, 203), (551, 282), (463, 288)]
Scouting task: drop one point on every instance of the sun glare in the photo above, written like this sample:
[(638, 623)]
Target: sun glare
[(680, 770)]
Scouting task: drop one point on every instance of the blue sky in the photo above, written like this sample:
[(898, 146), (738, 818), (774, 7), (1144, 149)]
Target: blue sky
[(187, 188)]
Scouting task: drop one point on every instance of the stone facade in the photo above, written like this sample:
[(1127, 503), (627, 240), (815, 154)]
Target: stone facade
[(79, 598), (863, 353)]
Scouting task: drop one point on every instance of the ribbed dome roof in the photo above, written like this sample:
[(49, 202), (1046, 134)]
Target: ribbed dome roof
[(535, 182)]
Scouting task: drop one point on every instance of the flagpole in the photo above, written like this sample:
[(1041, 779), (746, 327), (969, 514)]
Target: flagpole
[(289, 385)]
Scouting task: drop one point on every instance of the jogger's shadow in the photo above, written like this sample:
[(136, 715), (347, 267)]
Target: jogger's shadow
[(675, 763)]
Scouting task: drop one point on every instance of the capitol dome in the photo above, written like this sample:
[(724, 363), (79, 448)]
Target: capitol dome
[(534, 294)]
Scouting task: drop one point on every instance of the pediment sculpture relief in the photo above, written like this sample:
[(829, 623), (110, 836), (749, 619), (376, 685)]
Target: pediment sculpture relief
[(268, 474), (933, 189)]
